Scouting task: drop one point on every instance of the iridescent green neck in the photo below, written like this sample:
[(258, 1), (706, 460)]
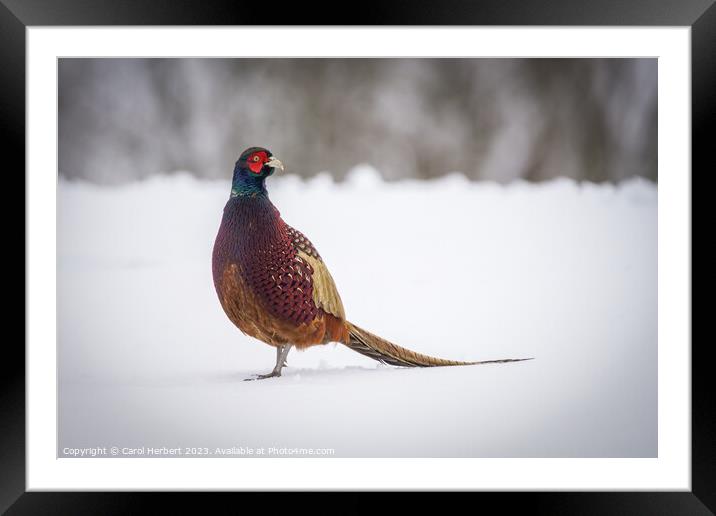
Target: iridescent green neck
[(244, 184)]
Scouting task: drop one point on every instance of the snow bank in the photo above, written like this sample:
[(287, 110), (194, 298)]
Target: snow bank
[(562, 272)]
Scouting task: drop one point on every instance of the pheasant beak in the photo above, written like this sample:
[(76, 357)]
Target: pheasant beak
[(275, 163)]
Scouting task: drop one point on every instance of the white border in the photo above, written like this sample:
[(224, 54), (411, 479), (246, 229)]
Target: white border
[(671, 470)]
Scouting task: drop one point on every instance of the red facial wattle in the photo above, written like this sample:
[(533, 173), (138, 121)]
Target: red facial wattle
[(256, 162)]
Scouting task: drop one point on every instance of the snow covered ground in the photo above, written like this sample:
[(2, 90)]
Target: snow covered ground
[(557, 271)]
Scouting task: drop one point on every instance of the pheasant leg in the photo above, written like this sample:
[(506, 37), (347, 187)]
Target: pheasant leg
[(281, 354)]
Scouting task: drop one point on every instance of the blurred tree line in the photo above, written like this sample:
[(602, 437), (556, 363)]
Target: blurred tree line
[(492, 119)]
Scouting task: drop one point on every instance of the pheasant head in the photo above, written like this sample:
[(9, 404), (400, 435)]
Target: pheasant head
[(251, 170)]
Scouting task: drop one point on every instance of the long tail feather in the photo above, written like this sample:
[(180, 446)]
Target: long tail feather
[(386, 352)]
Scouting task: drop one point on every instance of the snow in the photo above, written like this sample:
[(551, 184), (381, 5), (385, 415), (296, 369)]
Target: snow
[(559, 271)]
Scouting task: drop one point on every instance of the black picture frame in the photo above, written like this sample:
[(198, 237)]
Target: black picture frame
[(17, 15)]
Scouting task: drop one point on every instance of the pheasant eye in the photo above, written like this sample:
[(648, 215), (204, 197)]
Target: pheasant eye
[(256, 158)]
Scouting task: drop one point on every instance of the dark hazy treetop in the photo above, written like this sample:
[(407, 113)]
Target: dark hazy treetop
[(492, 119)]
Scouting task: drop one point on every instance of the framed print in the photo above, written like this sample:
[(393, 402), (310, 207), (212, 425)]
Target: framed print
[(485, 284)]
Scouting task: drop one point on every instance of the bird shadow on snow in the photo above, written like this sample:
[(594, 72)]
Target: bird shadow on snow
[(293, 374), (290, 375), (320, 373)]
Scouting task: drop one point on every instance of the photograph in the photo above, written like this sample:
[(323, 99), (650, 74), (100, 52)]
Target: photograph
[(357, 257)]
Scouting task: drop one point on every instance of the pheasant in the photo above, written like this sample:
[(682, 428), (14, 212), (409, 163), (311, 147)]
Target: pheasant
[(274, 286)]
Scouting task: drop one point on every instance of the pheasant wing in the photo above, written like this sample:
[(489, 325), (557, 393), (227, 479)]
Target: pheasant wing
[(325, 294)]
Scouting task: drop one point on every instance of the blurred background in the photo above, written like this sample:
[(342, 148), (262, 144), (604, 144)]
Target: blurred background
[(492, 119), (488, 267)]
